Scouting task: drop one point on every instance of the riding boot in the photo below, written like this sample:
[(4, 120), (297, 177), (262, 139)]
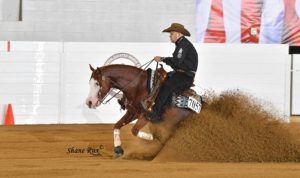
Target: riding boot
[(153, 117), (156, 114)]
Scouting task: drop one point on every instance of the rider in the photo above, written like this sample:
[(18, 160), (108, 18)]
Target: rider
[(184, 64)]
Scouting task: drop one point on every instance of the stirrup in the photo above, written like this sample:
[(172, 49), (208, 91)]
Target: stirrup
[(153, 117)]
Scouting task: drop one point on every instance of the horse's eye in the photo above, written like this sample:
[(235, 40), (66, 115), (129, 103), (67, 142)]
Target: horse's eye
[(97, 84)]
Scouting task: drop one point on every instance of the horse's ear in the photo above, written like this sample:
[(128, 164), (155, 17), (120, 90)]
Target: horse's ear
[(92, 68)]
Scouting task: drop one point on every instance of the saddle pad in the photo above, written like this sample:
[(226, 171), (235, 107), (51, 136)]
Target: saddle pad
[(188, 102)]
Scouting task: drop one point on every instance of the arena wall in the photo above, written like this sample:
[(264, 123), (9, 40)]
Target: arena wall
[(296, 85), (92, 20), (47, 82)]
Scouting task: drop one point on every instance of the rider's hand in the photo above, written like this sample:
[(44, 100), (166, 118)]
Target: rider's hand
[(157, 58)]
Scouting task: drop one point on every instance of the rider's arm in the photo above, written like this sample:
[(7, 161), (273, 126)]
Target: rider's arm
[(178, 57)]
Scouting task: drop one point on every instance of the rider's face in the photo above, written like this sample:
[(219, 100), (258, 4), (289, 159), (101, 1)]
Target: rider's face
[(174, 36)]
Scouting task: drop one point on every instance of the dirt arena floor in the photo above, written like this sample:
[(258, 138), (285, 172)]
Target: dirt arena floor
[(45, 151), (231, 138)]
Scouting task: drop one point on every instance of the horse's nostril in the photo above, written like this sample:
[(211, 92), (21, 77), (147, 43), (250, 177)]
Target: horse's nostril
[(90, 103)]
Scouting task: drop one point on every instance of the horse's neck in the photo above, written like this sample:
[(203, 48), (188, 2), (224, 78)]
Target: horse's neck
[(123, 76)]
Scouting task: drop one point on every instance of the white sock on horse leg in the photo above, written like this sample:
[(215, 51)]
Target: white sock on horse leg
[(117, 139), (144, 135)]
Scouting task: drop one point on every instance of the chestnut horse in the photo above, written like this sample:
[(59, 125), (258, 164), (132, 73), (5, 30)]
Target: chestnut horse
[(132, 81)]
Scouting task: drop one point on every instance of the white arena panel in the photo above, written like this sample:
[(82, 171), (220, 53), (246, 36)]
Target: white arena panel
[(57, 78)]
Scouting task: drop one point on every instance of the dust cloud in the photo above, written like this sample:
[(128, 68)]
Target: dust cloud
[(232, 127)]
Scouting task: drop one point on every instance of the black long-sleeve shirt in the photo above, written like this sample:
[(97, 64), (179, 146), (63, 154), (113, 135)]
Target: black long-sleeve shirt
[(184, 58)]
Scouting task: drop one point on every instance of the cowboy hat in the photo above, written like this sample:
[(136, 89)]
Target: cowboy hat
[(176, 27)]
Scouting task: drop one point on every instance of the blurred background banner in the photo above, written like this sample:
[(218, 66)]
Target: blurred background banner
[(248, 21)]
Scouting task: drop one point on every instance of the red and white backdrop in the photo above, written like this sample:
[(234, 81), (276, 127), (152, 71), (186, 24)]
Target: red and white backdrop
[(248, 21)]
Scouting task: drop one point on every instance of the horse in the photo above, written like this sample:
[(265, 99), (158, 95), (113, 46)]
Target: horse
[(132, 81)]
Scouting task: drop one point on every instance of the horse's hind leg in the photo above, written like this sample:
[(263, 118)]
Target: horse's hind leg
[(136, 129), (127, 118)]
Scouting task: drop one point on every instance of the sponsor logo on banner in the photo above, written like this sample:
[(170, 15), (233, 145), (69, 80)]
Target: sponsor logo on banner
[(122, 58)]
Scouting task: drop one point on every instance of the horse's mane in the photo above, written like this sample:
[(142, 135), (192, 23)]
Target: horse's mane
[(129, 68)]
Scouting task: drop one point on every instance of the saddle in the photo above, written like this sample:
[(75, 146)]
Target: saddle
[(188, 99), (154, 82)]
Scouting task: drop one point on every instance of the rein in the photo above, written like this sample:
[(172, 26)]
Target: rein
[(147, 64)]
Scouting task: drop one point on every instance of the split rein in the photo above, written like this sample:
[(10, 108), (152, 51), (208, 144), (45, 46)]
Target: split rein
[(147, 64)]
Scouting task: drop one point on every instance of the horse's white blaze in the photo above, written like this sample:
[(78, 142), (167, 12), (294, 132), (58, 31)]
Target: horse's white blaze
[(93, 93), (144, 135)]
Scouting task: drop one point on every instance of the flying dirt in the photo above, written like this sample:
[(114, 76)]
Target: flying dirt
[(232, 127)]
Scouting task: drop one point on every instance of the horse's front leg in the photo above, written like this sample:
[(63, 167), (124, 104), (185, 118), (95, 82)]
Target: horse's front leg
[(136, 129), (127, 118)]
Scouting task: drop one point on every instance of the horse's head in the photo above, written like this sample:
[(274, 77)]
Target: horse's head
[(99, 87)]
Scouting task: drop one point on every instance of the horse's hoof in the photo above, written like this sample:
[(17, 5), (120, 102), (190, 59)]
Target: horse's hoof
[(118, 151)]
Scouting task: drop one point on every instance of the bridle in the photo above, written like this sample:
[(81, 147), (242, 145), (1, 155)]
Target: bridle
[(144, 66), (99, 93)]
